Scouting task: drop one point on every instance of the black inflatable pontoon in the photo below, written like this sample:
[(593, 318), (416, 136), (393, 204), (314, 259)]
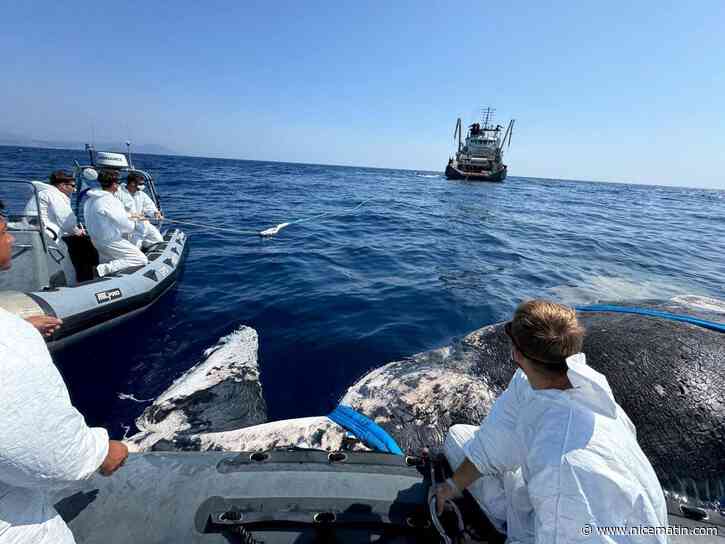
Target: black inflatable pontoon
[(275, 497)]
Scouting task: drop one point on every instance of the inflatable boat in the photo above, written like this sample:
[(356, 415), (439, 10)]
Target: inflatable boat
[(38, 281), (289, 495)]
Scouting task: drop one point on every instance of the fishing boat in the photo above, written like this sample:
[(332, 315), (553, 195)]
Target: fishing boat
[(38, 283), (481, 157)]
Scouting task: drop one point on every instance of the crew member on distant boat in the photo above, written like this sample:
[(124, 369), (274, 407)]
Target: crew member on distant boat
[(54, 208), (139, 206), (107, 222), (54, 203)]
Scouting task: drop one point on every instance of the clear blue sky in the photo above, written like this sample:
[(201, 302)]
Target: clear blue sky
[(619, 91)]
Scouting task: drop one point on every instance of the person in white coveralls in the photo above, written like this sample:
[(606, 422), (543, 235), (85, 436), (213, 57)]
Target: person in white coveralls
[(107, 223), (139, 205), (54, 209), (44, 440), (557, 457)]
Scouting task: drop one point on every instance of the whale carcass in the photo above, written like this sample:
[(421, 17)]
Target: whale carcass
[(220, 393), (668, 376)]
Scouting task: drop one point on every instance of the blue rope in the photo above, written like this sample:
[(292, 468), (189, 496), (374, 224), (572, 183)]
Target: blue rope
[(710, 325), (364, 428)]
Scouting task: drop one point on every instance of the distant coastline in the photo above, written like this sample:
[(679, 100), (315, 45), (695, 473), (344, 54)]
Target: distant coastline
[(7, 140)]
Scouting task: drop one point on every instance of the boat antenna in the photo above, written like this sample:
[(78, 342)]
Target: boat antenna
[(91, 150)]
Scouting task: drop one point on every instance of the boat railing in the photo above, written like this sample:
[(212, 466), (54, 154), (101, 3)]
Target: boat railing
[(33, 257)]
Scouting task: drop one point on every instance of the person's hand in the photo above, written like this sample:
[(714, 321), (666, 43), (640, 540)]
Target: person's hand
[(444, 492), (45, 324), (116, 457), (159, 215)]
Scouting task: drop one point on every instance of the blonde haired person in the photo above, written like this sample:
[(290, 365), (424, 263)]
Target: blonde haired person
[(556, 458)]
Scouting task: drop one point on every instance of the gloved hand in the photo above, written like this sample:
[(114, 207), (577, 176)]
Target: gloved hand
[(445, 491)]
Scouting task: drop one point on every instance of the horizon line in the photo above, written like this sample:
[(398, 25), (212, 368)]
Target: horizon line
[(174, 154)]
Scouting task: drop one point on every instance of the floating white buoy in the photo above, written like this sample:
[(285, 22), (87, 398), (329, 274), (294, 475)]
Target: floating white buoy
[(273, 230)]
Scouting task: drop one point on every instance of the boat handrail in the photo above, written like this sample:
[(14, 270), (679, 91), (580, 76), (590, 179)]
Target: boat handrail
[(23, 218)]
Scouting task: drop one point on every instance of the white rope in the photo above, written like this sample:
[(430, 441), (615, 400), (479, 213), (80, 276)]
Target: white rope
[(210, 227), (271, 231)]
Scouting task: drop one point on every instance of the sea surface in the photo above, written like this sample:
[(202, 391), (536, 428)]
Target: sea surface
[(423, 261)]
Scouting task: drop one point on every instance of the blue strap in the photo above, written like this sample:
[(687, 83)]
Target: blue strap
[(711, 325), (372, 434)]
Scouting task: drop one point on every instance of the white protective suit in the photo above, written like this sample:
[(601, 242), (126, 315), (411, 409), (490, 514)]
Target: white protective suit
[(106, 223), (55, 209), (58, 219), (44, 441), (554, 461), (140, 204)]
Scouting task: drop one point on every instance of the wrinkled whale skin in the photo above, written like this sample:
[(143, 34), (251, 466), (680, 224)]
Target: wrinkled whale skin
[(317, 432), (221, 392), (669, 377)]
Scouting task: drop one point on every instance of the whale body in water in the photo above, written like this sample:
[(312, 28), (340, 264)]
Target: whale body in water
[(668, 376)]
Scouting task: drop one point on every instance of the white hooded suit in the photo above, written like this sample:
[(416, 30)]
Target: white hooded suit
[(106, 223), (554, 461), (44, 441), (54, 208), (140, 204)]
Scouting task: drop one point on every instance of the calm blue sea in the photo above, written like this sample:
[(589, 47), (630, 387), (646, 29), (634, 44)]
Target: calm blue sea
[(424, 261)]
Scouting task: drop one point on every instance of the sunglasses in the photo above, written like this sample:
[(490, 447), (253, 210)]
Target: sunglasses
[(507, 330)]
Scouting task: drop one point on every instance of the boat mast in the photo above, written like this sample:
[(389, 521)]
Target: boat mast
[(487, 117), (91, 153), (128, 154)]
